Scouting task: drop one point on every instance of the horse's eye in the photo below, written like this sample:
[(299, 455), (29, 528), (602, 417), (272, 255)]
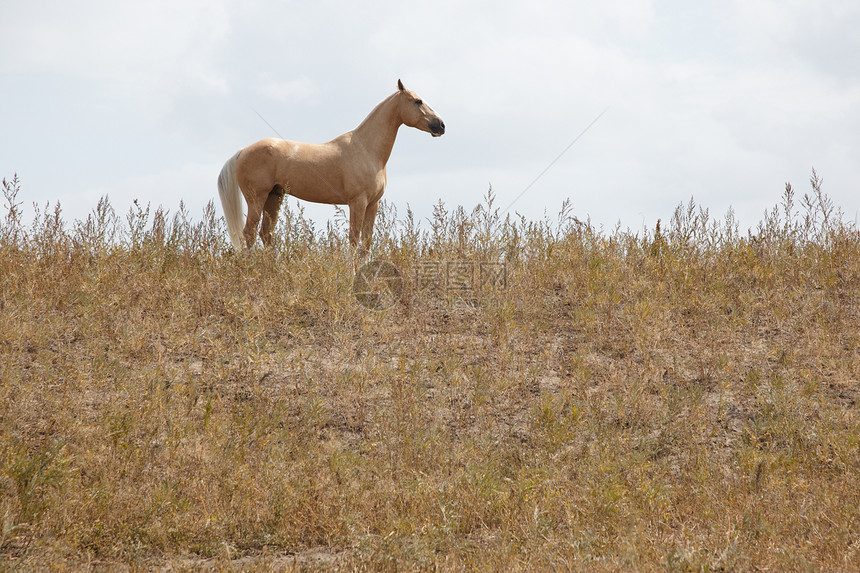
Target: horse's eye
[(419, 102)]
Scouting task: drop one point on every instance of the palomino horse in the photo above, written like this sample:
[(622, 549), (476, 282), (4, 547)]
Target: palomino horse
[(349, 170)]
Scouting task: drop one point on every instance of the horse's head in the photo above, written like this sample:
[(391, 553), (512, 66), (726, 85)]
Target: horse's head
[(414, 112)]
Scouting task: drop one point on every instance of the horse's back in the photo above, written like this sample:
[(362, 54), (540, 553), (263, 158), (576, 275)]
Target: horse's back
[(270, 147), (285, 150)]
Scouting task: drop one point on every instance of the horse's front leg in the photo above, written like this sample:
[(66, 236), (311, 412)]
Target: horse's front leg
[(367, 226), (357, 209)]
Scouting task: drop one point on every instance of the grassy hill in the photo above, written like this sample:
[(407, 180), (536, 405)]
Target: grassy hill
[(683, 398)]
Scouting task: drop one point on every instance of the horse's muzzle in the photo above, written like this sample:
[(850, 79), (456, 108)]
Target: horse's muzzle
[(437, 128)]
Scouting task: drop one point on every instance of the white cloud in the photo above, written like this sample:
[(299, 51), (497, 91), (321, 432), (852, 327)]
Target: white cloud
[(194, 184), (814, 38), (287, 92), (108, 39), (142, 54)]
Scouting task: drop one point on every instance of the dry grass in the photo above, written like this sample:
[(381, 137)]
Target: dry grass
[(681, 399)]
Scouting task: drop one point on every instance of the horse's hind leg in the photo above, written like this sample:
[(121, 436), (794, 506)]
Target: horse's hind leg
[(255, 210), (270, 214)]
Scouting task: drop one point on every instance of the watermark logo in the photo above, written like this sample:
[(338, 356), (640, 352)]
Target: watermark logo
[(461, 276), (378, 285)]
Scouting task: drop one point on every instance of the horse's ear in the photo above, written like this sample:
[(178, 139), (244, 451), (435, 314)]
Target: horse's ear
[(400, 85)]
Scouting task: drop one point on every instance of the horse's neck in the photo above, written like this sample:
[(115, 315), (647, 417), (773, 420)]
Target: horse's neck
[(377, 132)]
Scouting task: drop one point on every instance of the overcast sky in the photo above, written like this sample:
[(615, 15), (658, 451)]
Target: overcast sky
[(723, 101)]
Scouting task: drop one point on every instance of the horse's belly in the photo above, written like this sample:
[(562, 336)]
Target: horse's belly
[(330, 183), (322, 192)]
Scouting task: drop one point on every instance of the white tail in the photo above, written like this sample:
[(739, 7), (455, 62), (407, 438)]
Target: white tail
[(231, 202)]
